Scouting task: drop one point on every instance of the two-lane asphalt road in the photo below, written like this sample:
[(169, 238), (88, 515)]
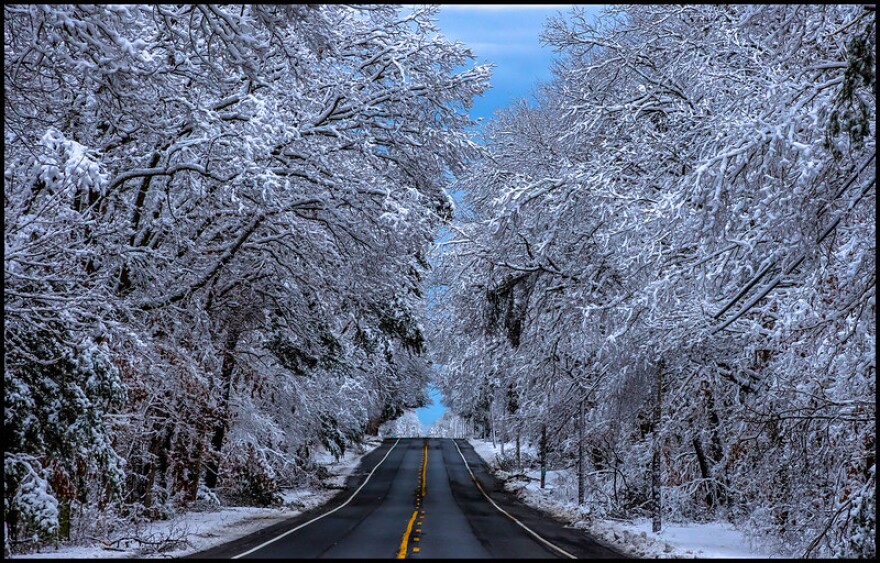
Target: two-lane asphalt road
[(418, 498)]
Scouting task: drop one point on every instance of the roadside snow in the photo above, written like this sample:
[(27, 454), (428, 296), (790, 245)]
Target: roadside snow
[(198, 531), (634, 537)]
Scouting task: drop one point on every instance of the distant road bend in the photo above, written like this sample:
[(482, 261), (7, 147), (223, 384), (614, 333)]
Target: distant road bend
[(418, 498)]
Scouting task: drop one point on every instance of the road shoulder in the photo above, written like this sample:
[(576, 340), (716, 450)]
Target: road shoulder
[(231, 546), (546, 525)]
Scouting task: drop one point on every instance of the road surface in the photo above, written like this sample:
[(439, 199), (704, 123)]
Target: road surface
[(415, 498)]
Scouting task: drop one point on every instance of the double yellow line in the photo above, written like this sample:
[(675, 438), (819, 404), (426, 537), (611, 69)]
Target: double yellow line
[(423, 478), (424, 470)]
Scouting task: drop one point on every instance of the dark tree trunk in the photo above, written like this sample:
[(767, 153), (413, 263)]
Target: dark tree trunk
[(701, 458), (716, 451), (518, 457), (164, 453), (64, 519), (543, 454), (212, 465), (372, 427), (124, 284), (150, 478), (581, 454), (195, 471), (655, 460), (704, 472)]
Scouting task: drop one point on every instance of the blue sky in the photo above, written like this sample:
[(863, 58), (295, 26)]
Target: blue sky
[(508, 37)]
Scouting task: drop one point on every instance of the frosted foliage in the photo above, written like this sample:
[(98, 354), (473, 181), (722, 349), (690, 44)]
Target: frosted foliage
[(407, 426), (692, 195), (216, 227), (37, 505)]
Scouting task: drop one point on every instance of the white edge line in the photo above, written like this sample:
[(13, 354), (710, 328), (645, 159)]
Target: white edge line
[(328, 513), (523, 526)]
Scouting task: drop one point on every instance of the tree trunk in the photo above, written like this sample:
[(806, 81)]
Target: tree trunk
[(123, 285), (150, 478), (581, 454), (492, 415), (518, 458), (701, 458), (543, 454), (655, 461), (503, 436), (716, 452), (372, 427), (704, 471), (212, 466), (164, 453), (195, 472), (64, 519)]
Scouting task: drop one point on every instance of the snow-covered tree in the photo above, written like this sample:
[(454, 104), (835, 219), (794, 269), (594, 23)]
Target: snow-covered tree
[(217, 219), (680, 236), (406, 426)]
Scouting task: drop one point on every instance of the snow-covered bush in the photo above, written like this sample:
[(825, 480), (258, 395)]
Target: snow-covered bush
[(251, 480)]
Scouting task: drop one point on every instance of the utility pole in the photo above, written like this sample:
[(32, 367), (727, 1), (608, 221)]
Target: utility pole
[(655, 461)]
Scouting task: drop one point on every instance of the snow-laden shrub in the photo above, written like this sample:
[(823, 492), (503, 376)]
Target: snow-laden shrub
[(58, 448), (859, 535), (251, 481), (31, 509), (206, 498)]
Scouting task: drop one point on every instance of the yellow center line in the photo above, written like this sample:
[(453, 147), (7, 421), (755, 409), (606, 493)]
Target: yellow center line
[(402, 553), (424, 470), (423, 476)]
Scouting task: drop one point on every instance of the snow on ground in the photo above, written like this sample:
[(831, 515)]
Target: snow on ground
[(203, 530), (633, 537)]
